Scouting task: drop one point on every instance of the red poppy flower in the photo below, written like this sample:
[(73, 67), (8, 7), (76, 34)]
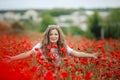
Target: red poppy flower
[(65, 58), (74, 77), (39, 54), (34, 69), (84, 61), (63, 49), (72, 70), (88, 75), (52, 55), (79, 77), (64, 74), (40, 60), (48, 47), (49, 75), (109, 75), (81, 70), (55, 46), (36, 49)]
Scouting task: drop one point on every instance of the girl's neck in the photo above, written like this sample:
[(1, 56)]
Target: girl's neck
[(52, 43)]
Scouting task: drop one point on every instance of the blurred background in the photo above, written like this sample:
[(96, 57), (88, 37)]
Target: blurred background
[(89, 18)]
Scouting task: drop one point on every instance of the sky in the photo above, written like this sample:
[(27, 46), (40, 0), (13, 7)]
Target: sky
[(49, 4)]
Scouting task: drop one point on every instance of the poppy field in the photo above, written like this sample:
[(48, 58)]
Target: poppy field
[(105, 67)]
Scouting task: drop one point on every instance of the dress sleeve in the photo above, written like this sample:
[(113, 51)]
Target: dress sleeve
[(37, 47), (69, 50)]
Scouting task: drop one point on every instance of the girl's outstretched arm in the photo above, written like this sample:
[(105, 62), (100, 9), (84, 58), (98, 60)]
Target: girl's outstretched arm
[(19, 56), (83, 54)]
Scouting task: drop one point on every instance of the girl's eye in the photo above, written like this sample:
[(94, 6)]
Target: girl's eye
[(56, 34), (51, 34)]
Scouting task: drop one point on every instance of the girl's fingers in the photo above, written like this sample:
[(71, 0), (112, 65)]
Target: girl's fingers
[(94, 56), (6, 59), (97, 53)]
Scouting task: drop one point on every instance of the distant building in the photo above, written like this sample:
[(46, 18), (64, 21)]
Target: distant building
[(76, 18), (104, 15), (32, 14), (9, 16)]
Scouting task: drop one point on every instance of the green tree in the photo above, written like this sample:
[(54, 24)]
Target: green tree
[(112, 27), (46, 20), (94, 24), (29, 24), (75, 30), (65, 30), (88, 34), (58, 11)]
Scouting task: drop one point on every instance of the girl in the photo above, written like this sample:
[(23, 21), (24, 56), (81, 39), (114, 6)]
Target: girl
[(53, 44)]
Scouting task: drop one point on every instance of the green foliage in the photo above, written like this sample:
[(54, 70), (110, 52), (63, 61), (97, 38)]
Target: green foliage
[(88, 34), (29, 24), (46, 20), (74, 30), (69, 21), (65, 30), (94, 24), (58, 11), (112, 27)]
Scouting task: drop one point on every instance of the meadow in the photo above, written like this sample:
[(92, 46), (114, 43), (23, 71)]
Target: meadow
[(105, 67)]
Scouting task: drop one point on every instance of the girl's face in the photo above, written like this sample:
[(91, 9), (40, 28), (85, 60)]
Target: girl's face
[(53, 36)]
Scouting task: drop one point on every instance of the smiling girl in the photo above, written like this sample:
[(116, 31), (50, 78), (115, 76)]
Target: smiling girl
[(53, 47)]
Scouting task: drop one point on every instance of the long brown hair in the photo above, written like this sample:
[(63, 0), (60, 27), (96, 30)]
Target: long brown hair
[(45, 41)]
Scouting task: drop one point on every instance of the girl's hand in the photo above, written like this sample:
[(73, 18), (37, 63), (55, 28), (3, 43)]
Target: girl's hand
[(95, 55), (7, 59)]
